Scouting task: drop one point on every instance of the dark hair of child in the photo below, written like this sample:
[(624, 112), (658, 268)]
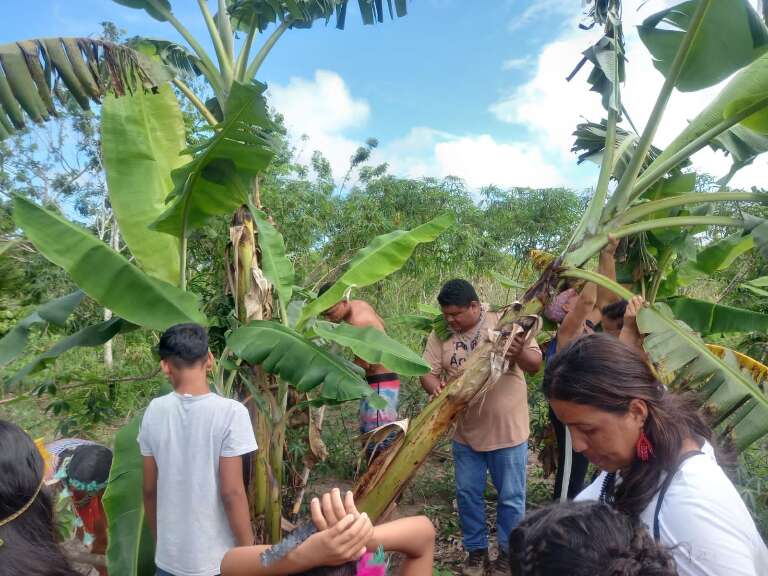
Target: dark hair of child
[(90, 463), (457, 292), (184, 345), (27, 534), (585, 539), (615, 310)]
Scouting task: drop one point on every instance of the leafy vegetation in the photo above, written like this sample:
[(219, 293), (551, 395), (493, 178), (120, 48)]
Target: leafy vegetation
[(232, 231)]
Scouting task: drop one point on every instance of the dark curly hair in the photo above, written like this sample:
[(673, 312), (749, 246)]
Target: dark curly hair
[(585, 539), (600, 371)]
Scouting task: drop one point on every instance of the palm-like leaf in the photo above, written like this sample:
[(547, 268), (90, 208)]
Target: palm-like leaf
[(303, 13), (280, 350), (590, 145), (32, 69), (217, 180), (176, 57), (374, 347)]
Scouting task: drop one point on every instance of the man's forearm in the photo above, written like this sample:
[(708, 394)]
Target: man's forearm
[(239, 518), (529, 360)]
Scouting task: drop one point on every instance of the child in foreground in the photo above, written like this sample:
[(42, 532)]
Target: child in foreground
[(346, 543), (585, 539), (193, 441)]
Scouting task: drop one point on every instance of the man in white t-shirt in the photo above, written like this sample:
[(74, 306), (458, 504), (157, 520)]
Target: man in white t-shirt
[(193, 441)]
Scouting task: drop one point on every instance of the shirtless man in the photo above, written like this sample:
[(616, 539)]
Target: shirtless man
[(361, 314)]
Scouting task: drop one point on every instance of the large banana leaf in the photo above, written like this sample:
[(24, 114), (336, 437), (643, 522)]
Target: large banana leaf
[(158, 9), (88, 68), (55, 311), (385, 255), (375, 347), (710, 318), (94, 335), (507, 282), (275, 264), (731, 35), (295, 359), (748, 82), (131, 550), (743, 144), (103, 274), (719, 255), (749, 422), (590, 145), (680, 353), (217, 180), (301, 14), (142, 139)]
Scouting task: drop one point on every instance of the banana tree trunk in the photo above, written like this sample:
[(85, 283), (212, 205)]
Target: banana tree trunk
[(388, 475), (253, 301)]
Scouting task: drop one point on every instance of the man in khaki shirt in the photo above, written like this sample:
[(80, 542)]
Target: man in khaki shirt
[(492, 433)]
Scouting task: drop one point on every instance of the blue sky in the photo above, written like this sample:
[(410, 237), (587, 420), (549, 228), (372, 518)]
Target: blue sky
[(469, 88)]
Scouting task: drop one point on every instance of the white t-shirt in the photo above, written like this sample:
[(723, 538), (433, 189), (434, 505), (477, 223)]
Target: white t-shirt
[(187, 435), (704, 521)]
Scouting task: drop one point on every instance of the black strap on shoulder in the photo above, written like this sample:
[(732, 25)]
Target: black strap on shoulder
[(663, 491)]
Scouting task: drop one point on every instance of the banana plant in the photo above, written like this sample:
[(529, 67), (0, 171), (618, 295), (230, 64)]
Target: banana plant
[(143, 137), (689, 45), (295, 350)]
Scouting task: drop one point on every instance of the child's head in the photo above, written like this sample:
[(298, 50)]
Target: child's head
[(27, 543), (183, 348), (585, 539)]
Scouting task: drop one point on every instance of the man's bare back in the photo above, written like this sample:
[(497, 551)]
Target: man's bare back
[(361, 314)]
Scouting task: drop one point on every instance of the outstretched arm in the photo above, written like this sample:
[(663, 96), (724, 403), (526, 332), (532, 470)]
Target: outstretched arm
[(573, 325), (342, 543), (607, 267), (414, 537)]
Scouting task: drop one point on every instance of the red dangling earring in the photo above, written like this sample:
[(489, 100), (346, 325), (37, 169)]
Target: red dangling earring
[(644, 448)]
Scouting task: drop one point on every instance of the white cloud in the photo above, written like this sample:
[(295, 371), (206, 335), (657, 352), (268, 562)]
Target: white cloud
[(479, 159), (539, 9), (550, 108), (516, 63), (323, 109)]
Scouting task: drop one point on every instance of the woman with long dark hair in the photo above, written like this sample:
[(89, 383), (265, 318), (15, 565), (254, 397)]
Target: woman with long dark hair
[(27, 542), (656, 457)]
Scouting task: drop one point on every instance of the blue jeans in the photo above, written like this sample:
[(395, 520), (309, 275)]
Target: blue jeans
[(507, 467)]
